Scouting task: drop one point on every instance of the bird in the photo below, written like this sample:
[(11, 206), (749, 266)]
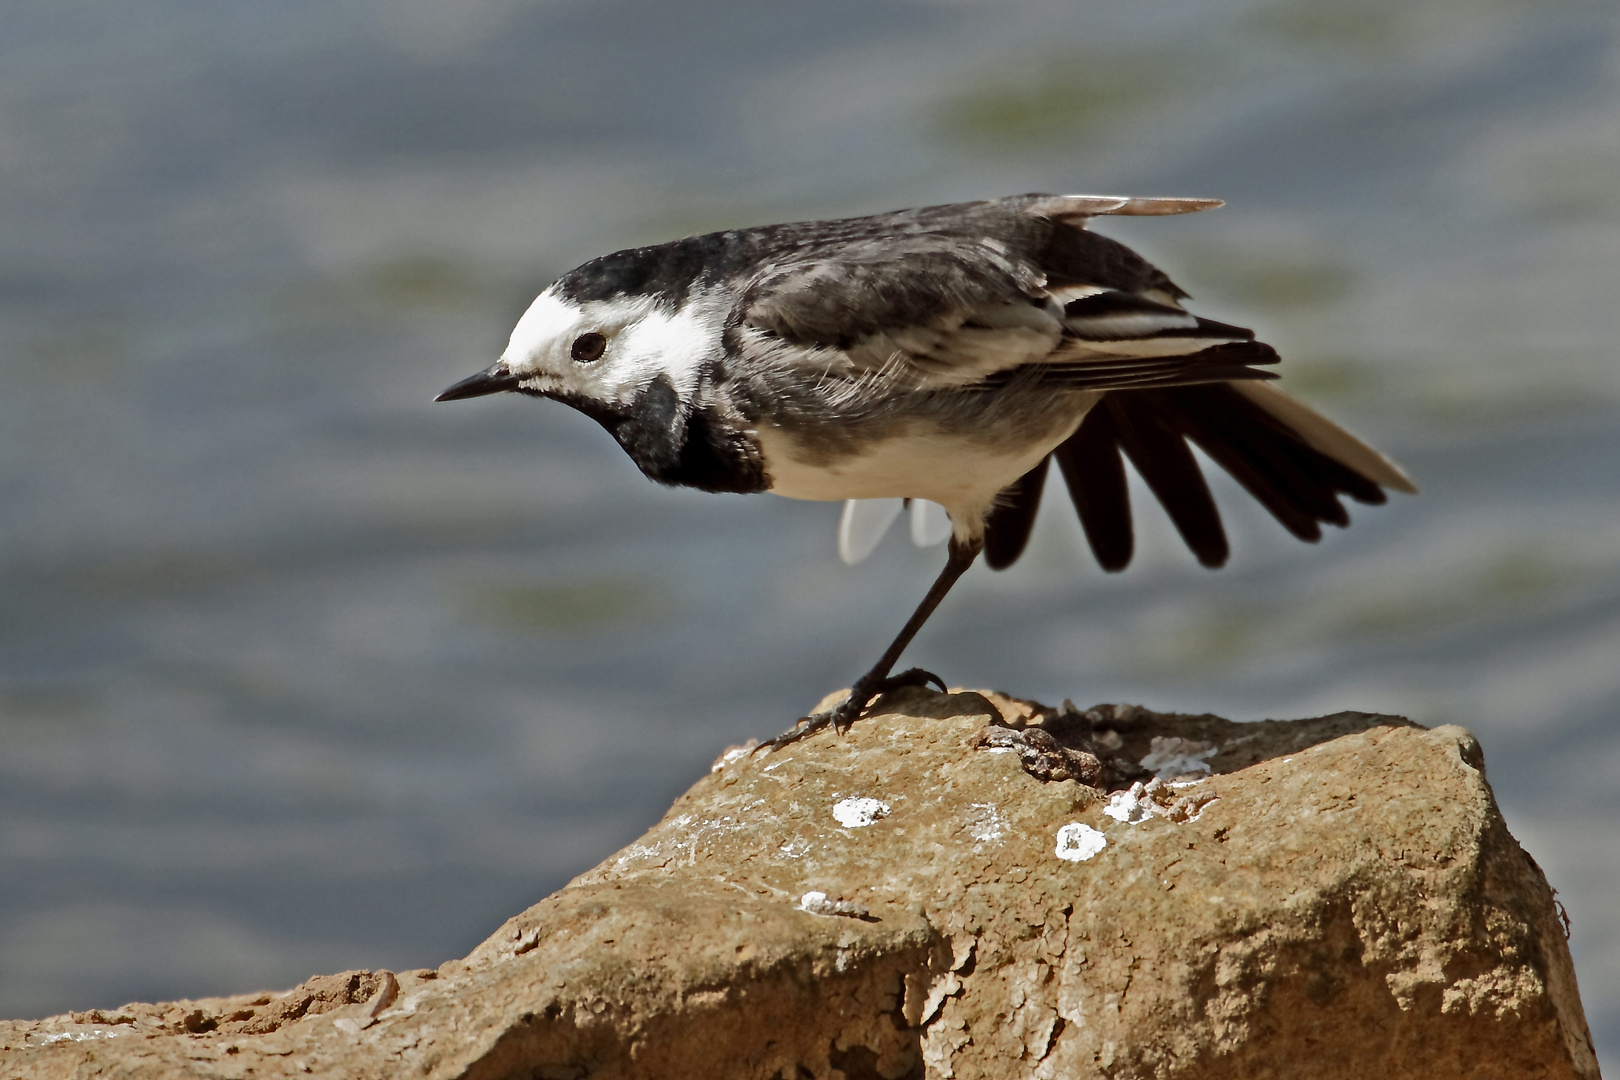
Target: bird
[(943, 354)]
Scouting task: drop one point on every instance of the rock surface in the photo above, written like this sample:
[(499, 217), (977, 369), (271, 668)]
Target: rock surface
[(921, 897)]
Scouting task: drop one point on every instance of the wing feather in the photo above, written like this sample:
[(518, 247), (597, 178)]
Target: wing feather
[(1230, 361), (1080, 207), (946, 298)]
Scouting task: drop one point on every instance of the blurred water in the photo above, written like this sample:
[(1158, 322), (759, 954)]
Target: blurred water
[(299, 672)]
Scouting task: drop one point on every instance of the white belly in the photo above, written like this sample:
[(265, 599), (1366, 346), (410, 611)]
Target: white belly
[(962, 475)]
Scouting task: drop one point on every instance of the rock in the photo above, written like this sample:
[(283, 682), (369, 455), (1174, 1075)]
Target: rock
[(1336, 896)]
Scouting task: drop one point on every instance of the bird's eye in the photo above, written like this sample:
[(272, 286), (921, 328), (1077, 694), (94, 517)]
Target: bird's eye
[(588, 347)]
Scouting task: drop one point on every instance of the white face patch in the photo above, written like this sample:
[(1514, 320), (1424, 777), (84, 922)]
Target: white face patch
[(550, 321), (670, 343), (644, 341)]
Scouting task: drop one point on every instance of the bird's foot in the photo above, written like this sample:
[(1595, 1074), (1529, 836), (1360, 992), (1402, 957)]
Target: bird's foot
[(807, 725), (846, 712), (889, 683)]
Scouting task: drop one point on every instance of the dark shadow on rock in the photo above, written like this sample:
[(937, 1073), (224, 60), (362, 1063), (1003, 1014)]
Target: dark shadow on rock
[(1130, 743)]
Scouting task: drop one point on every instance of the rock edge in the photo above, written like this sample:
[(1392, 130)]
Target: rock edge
[(937, 894)]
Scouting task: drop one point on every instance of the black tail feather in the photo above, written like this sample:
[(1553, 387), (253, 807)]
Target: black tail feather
[(1009, 523), (1165, 462), (1095, 475), (1299, 485)]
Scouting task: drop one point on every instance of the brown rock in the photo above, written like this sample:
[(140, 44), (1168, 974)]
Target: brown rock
[(1335, 896)]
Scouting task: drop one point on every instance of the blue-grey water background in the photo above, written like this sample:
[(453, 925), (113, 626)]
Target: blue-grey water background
[(300, 672)]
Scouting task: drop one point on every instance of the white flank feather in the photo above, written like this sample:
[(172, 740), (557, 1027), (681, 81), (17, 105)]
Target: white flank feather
[(930, 524), (863, 525)]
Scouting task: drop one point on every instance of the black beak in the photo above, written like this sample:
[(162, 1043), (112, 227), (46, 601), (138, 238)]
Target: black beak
[(495, 379)]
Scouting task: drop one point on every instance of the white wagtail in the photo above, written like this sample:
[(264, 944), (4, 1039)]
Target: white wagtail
[(943, 354)]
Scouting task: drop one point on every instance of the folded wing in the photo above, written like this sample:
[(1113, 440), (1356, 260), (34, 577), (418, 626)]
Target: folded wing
[(982, 296)]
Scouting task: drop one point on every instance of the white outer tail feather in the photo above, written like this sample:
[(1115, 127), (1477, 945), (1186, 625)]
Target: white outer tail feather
[(863, 525), (1324, 435), (930, 524), (866, 521)]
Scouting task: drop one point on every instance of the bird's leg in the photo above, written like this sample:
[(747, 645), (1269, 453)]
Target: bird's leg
[(960, 556), (878, 681)]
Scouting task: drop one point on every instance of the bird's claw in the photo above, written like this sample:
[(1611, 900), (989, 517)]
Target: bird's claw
[(807, 725), (910, 677), (843, 715)]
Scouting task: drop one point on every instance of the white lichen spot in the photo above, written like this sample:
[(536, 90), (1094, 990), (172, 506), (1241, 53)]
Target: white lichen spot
[(796, 848), (985, 822), (816, 902), (684, 838), (77, 1036), (1173, 758), (1130, 807), (1191, 807), (858, 813), (637, 853), (733, 753), (1077, 842), (1156, 799)]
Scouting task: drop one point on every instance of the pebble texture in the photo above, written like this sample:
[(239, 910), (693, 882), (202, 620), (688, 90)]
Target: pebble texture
[(920, 897)]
